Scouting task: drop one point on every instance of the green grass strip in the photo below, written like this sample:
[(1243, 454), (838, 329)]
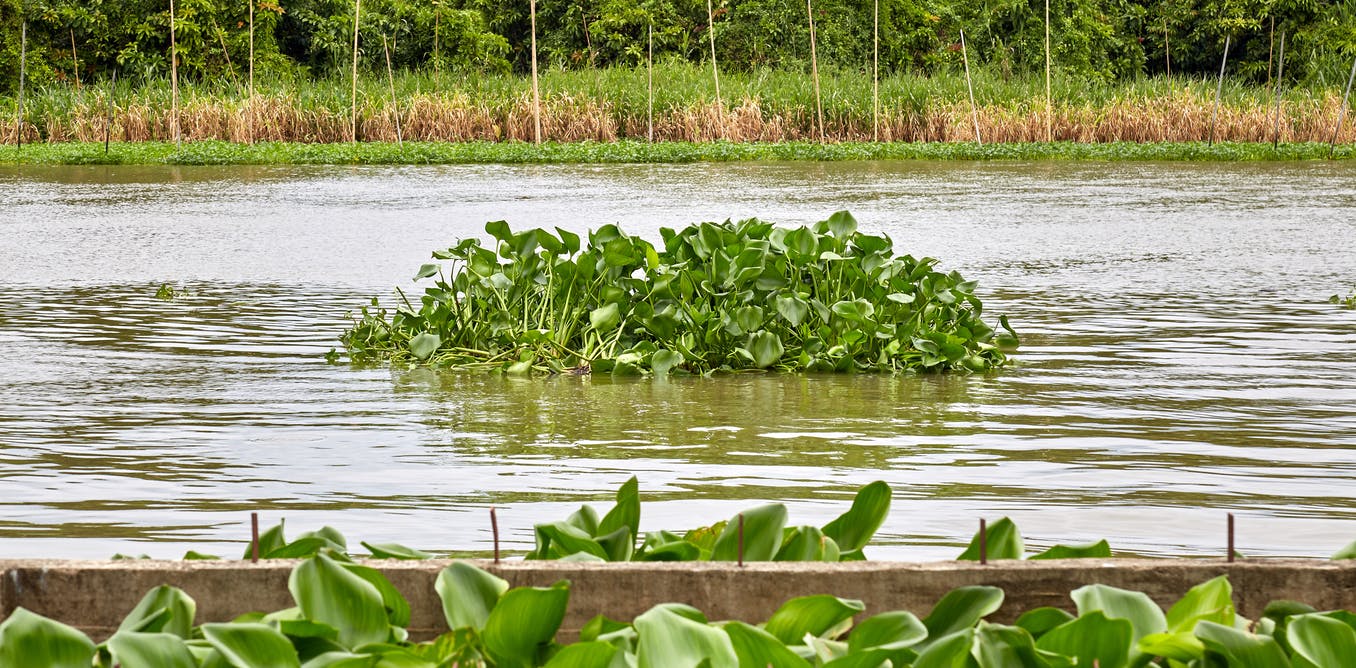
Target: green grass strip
[(443, 153)]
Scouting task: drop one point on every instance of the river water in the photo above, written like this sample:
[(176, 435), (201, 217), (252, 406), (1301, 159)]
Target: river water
[(1180, 361)]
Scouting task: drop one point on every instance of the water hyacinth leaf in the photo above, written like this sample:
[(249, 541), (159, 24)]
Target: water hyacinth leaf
[(807, 544), (842, 225), (626, 512), (251, 645), (397, 608), (1176, 646), (395, 551), (1144, 615), (271, 539), (524, 623), (766, 349), (662, 361), (949, 651), (1321, 640), (1004, 542), (1091, 638), (28, 639), (424, 344), (605, 318), (341, 660), (426, 271), (1210, 601), (962, 608), (1348, 552), (854, 528), (595, 654), (468, 595), (667, 639), (762, 535), (814, 615), (1240, 648), (757, 647), (150, 650), (889, 630), (1039, 621), (164, 609), (999, 646), (680, 550), (329, 593), (792, 308), (560, 539), (1097, 550)]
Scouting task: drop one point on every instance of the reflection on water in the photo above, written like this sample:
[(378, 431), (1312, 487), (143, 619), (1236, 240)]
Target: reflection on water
[(1179, 360)]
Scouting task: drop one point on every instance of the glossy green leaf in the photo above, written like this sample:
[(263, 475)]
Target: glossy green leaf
[(667, 639), (1004, 542), (842, 225), (888, 630), (1210, 601), (1240, 648), (1348, 552), (28, 640), (949, 651), (807, 544), (164, 609), (662, 361), (1097, 550), (1092, 637), (1176, 646), (757, 648), (1039, 621), (998, 646), (424, 344), (329, 593), (1321, 640), (1144, 615), (251, 645), (594, 654), (468, 595), (626, 511), (341, 660), (854, 528), (762, 535), (792, 308), (605, 318), (397, 608), (766, 349), (394, 551), (426, 271), (150, 650), (962, 608), (524, 623), (814, 615)]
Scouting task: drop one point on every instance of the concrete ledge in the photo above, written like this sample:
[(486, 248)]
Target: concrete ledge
[(94, 596)]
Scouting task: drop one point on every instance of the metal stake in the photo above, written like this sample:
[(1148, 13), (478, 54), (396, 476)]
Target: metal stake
[(741, 540), (494, 526), (1231, 538), (254, 538), (983, 542)]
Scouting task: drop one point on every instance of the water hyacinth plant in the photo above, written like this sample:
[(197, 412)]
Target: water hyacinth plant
[(715, 297), (349, 614)]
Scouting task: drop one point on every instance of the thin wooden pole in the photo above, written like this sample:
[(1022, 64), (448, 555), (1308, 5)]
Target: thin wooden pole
[(174, 78), (649, 67), (814, 69), (230, 67), (875, 74), (536, 85), (249, 106), (1280, 72), (1271, 49), (108, 126), (353, 120), (1219, 89), (715, 71), (1049, 106), (974, 111), (75, 58), (1167, 51), (390, 77), (1342, 112), (23, 75), (437, 19)]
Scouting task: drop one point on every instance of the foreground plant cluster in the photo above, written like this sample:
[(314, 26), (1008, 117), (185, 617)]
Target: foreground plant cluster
[(716, 297), (349, 615)]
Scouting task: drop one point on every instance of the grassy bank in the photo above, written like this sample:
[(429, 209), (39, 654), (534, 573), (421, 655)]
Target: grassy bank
[(632, 151), (610, 104)]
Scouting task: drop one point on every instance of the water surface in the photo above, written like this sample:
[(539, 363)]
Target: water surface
[(1180, 361)]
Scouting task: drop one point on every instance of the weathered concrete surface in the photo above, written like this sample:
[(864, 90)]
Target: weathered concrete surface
[(95, 595)]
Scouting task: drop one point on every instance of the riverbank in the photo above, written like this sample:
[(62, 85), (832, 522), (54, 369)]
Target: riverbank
[(630, 151)]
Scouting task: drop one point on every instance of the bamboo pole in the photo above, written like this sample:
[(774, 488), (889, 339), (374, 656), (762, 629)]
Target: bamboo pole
[(437, 58), (1271, 49), (108, 125), (249, 105), (353, 109), (649, 68), (1342, 112), (174, 79), (814, 69), (1219, 89), (875, 74), (1280, 72), (23, 75), (715, 71), (974, 111), (230, 67), (536, 85), (390, 77), (1167, 51), (1049, 106), (75, 58)]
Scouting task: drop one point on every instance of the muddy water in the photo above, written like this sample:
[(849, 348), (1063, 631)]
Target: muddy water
[(1180, 361)]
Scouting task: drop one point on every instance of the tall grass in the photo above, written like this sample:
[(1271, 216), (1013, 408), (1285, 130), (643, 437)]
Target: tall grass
[(612, 103)]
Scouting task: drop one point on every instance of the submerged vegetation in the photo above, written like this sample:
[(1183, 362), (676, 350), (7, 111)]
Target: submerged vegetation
[(1347, 302), (715, 297), (349, 614)]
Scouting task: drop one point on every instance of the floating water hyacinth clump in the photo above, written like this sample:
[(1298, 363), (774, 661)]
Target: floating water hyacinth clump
[(715, 297)]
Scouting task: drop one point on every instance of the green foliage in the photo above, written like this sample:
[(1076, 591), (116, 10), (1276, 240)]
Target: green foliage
[(716, 297), (1348, 302), (1004, 541)]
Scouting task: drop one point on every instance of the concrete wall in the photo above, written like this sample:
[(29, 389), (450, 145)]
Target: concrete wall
[(95, 595)]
